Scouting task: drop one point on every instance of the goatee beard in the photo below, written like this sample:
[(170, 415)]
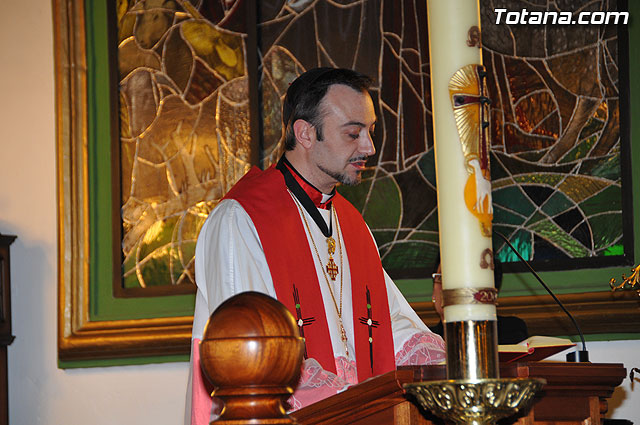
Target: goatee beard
[(343, 178)]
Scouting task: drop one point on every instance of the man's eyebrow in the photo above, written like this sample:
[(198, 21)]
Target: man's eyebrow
[(358, 123)]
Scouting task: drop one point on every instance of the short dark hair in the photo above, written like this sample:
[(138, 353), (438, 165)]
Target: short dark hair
[(305, 95)]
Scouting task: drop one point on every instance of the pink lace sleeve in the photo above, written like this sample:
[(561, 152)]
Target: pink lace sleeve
[(421, 348), (317, 384)]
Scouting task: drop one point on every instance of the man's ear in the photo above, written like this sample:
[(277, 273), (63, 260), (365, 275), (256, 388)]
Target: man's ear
[(304, 132)]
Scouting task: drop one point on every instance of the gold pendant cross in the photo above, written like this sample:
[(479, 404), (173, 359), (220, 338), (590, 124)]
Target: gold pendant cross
[(332, 269)]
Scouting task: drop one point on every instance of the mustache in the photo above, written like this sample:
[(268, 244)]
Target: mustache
[(359, 158)]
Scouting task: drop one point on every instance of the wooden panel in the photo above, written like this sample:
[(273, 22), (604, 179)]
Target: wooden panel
[(575, 394), (544, 317), (373, 399)]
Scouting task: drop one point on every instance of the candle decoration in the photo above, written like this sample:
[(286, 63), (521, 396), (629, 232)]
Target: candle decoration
[(473, 392)]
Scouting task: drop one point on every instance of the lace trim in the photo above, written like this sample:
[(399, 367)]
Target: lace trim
[(317, 384), (422, 348)]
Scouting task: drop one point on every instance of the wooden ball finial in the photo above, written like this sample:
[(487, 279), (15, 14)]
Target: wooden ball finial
[(252, 354)]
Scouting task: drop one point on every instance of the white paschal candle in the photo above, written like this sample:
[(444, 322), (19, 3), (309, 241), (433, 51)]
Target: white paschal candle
[(462, 243)]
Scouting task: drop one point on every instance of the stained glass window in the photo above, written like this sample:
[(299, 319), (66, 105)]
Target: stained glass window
[(558, 135), (184, 130), (556, 138)]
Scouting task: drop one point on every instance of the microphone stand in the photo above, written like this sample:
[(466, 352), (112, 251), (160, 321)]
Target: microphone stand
[(582, 355)]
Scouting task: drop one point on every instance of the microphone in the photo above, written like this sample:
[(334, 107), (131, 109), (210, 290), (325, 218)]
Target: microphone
[(583, 355)]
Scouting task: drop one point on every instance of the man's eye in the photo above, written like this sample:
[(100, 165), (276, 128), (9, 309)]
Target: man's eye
[(354, 136)]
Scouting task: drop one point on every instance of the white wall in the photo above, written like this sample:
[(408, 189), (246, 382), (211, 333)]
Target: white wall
[(40, 393), (625, 403)]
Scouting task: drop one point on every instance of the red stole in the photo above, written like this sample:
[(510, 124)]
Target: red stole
[(264, 196)]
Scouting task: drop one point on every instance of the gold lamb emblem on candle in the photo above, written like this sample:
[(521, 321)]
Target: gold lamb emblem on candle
[(471, 111)]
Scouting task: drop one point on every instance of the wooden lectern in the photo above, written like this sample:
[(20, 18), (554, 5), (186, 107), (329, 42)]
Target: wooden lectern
[(253, 352), (575, 393)]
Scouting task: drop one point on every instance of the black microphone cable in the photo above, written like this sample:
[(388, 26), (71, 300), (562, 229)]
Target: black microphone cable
[(583, 355)]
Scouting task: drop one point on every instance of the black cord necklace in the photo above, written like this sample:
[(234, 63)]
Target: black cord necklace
[(303, 198), (285, 168)]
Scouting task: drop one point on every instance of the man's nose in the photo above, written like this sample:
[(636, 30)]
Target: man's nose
[(366, 145)]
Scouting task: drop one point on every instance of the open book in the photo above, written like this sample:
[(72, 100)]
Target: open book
[(533, 349)]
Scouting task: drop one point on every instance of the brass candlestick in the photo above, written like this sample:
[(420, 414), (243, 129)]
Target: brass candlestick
[(474, 394), (475, 402)]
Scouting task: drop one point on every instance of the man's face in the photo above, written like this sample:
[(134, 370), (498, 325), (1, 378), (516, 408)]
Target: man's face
[(437, 292), (348, 119)]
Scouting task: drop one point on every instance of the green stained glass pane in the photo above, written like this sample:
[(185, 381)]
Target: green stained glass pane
[(176, 264), (403, 234), (357, 194), (410, 255), (131, 280), (499, 184), (430, 223), (531, 156), (497, 170), (191, 225), (535, 218), (513, 199), (522, 241), (617, 249), (605, 201), (557, 204), (129, 263), (608, 168), (158, 235), (425, 236), (383, 237), (593, 125), (615, 150), (550, 179), (503, 216), (579, 188), (427, 167), (188, 251), (384, 206), (580, 151), (504, 230), (606, 229), (558, 237), (155, 271)]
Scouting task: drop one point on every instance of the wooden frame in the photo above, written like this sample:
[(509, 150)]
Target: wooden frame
[(83, 337), (603, 312), (80, 337)]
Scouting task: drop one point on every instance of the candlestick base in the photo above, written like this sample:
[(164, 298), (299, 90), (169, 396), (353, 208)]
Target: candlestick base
[(475, 402), (472, 349)]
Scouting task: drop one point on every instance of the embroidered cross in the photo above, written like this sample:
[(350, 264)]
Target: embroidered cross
[(460, 100), (332, 269), (302, 322), (371, 324)]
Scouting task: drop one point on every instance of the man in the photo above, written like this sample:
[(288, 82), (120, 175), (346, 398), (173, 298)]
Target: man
[(511, 329), (287, 233)]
